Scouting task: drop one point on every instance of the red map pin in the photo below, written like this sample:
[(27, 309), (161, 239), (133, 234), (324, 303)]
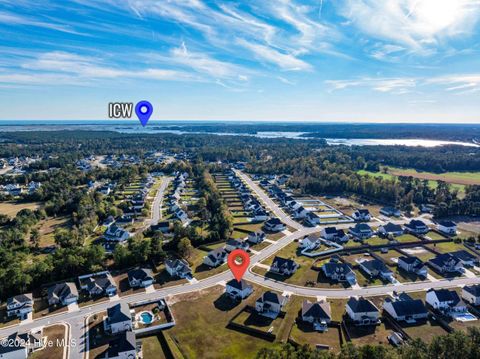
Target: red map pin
[(238, 261)]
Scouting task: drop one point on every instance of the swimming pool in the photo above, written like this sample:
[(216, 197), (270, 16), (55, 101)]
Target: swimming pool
[(465, 317), (146, 317)]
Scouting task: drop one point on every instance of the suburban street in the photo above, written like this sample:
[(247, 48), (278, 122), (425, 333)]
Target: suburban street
[(76, 319)]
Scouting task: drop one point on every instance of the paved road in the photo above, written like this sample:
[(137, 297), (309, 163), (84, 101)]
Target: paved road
[(158, 201), (76, 318)]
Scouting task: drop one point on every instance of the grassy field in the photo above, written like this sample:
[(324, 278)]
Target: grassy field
[(11, 208), (369, 334), (47, 229), (406, 238), (426, 331), (152, 348), (304, 334), (458, 179), (201, 330)]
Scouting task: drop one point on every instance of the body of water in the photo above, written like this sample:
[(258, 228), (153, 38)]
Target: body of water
[(134, 127)]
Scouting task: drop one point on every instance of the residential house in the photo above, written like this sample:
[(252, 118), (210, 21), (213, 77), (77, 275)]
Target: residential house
[(339, 272), (405, 308), (416, 226), (362, 215), (447, 227), (20, 346), (215, 257), (312, 219), (310, 242), (274, 225), (116, 234), (270, 304), (140, 277), (124, 346), (65, 293), (446, 301), (361, 231), (446, 263), (376, 268), (98, 284), (293, 205), (256, 237), (118, 319), (20, 305), (390, 212), (412, 265), (467, 258), (283, 266), (233, 244), (162, 227), (300, 213), (238, 290), (362, 311), (260, 215), (178, 268), (471, 294), (181, 215), (335, 235), (390, 229), (318, 314)]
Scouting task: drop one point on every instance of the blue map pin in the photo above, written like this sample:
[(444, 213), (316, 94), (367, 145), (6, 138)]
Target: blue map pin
[(144, 110)]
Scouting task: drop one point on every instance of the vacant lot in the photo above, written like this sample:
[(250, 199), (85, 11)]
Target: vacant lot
[(464, 178), (363, 335), (201, 330), (426, 331), (54, 334), (12, 208), (47, 229), (304, 334)]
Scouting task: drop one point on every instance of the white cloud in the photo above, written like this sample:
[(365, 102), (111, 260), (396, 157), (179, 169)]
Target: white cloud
[(7, 18), (417, 24), (285, 61)]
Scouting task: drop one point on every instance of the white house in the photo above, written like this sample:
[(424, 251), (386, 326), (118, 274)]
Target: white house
[(447, 227), (471, 294), (256, 237), (446, 301), (115, 233), (467, 259), (118, 319), (310, 242), (319, 314), (215, 257), (412, 265), (312, 219), (293, 205), (361, 215), (260, 215), (405, 308), (283, 266), (140, 277), (274, 225), (270, 304), (300, 213), (178, 268), (362, 311), (238, 290), (65, 293), (20, 305)]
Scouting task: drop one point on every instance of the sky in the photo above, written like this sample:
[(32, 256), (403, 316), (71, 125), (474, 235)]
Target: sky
[(277, 60)]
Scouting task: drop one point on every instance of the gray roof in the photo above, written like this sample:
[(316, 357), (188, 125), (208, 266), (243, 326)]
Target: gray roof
[(318, 310), (119, 313), (238, 285), (143, 274), (124, 342), (21, 298), (361, 305), (63, 290)]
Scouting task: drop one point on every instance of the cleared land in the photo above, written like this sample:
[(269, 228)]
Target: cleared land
[(12, 208)]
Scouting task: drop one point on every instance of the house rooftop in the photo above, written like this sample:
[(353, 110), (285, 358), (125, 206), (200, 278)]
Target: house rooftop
[(238, 285), (319, 310), (119, 313), (140, 274), (473, 289), (361, 305)]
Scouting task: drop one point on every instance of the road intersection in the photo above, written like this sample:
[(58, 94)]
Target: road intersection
[(76, 319)]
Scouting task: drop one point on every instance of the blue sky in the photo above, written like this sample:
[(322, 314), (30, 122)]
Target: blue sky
[(289, 60)]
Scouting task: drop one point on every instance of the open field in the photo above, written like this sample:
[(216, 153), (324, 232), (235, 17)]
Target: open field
[(151, 348), (463, 178), (304, 334), (47, 229), (201, 330), (425, 331), (12, 208), (362, 335)]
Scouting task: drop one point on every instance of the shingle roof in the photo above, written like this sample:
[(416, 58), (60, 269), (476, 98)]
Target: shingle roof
[(473, 289), (125, 342), (318, 310), (407, 307), (361, 305), (445, 295), (375, 264), (238, 285), (62, 290), (142, 274), (391, 227), (447, 223), (119, 313), (283, 263)]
